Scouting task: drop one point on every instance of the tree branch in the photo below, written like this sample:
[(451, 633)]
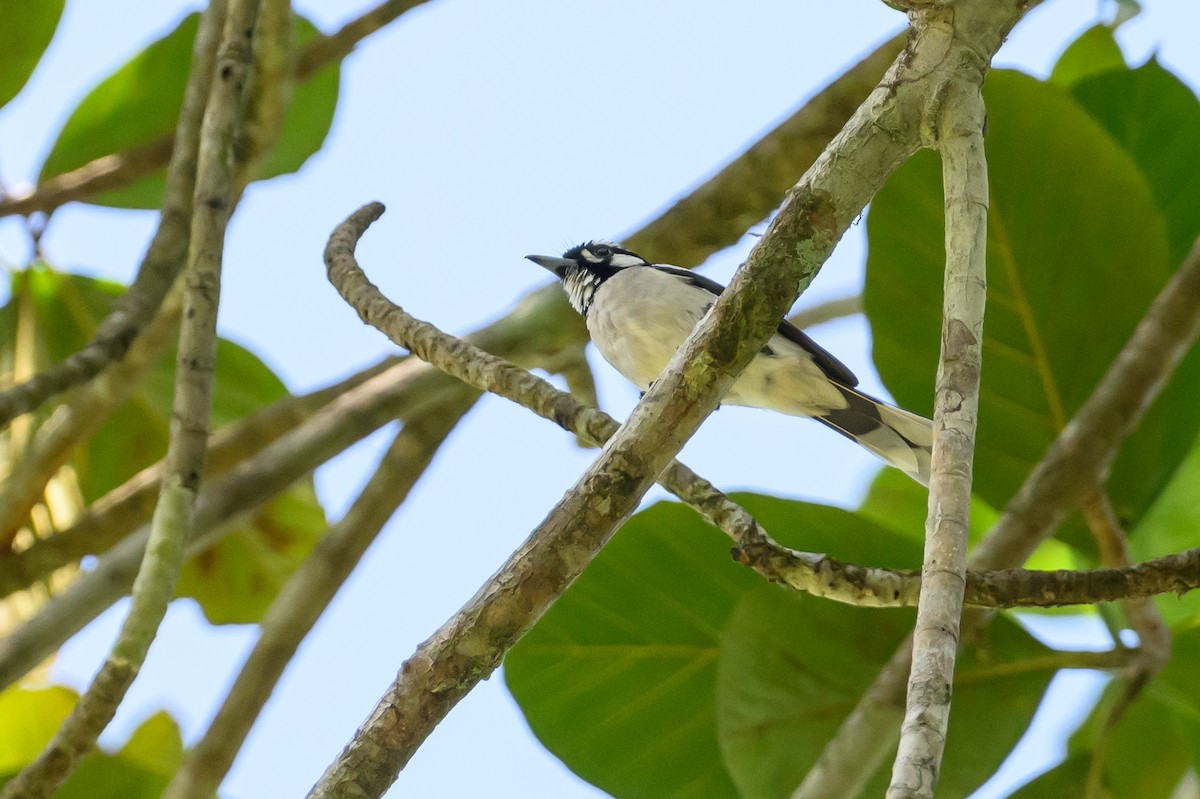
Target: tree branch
[(1076, 463), (325, 50), (304, 598), (958, 117), (159, 569)]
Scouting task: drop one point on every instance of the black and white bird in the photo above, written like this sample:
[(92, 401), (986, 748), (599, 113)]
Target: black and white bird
[(639, 313)]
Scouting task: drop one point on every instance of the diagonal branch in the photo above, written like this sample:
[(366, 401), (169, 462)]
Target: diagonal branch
[(192, 407), (958, 119)]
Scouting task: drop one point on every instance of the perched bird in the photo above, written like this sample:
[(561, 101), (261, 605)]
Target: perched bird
[(639, 313)]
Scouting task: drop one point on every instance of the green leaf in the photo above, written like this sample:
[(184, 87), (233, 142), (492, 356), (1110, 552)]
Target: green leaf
[(1156, 118), (28, 720), (1095, 51), (793, 667), (900, 504), (156, 744), (139, 104), (617, 678), (1077, 250), (1067, 780), (141, 770), (28, 27), (310, 114), (627, 678), (238, 578)]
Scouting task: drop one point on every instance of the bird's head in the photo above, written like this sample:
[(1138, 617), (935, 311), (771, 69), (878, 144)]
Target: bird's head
[(584, 267)]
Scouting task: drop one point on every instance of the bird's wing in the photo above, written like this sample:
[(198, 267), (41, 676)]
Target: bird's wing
[(831, 366)]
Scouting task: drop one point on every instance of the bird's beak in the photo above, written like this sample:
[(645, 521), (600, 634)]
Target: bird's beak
[(556, 265)]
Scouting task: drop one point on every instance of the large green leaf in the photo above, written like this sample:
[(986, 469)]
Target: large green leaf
[(139, 104), (793, 667), (631, 674), (618, 678), (900, 504), (140, 770), (1156, 118), (1067, 780), (236, 579), (25, 32), (1095, 51), (1077, 249)]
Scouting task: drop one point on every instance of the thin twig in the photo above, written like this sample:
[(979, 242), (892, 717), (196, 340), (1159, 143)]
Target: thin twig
[(959, 120), (325, 50), (827, 311), (1075, 464), (1154, 636), (155, 583), (305, 596)]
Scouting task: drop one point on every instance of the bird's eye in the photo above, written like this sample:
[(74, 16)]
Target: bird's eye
[(602, 251)]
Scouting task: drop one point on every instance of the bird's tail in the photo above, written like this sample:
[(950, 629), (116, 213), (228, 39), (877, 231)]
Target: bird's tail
[(903, 439)]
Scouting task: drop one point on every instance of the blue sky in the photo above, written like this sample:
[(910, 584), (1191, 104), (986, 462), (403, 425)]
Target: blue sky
[(490, 131)]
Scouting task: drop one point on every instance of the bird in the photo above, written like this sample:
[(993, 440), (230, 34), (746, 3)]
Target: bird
[(639, 313)]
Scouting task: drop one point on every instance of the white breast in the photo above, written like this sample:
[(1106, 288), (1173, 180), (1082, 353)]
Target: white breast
[(640, 316)]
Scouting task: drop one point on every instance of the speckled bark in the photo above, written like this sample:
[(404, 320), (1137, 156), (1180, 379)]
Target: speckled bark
[(959, 119)]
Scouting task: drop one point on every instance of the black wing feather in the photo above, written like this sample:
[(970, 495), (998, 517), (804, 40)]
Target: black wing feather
[(831, 366)]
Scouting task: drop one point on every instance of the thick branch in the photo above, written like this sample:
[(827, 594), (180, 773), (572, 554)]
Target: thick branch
[(155, 583), (959, 123)]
